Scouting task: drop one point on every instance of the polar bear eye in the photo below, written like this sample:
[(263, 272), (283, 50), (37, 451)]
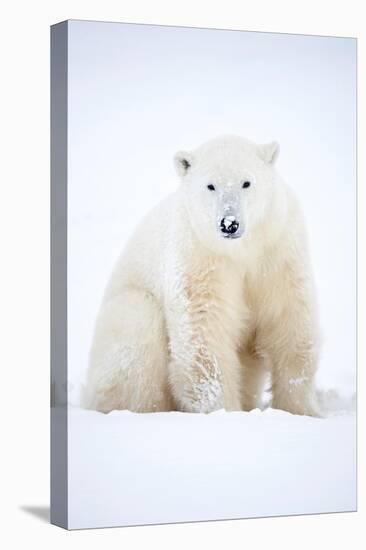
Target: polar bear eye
[(245, 184), (211, 187)]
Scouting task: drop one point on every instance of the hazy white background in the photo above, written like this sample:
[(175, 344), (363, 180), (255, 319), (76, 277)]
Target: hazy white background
[(139, 93), (136, 95)]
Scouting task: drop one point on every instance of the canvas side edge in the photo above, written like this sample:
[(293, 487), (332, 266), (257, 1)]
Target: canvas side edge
[(59, 84)]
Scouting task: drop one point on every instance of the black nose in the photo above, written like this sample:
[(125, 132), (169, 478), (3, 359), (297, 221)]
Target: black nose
[(229, 225)]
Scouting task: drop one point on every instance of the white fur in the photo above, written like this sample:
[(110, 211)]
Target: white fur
[(193, 321)]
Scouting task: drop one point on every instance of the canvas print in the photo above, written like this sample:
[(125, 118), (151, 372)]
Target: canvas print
[(203, 274)]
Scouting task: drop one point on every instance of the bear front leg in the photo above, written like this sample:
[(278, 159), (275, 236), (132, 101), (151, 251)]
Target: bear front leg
[(203, 368), (195, 378), (293, 387), (289, 333)]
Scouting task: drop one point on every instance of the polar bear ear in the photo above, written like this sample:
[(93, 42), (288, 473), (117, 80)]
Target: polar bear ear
[(183, 162), (269, 152)]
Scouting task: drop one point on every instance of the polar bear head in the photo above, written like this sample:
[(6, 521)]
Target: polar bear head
[(228, 184)]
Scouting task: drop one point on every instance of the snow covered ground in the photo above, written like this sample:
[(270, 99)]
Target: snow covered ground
[(130, 469)]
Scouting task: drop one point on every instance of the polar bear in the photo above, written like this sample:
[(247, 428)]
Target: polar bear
[(213, 291)]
